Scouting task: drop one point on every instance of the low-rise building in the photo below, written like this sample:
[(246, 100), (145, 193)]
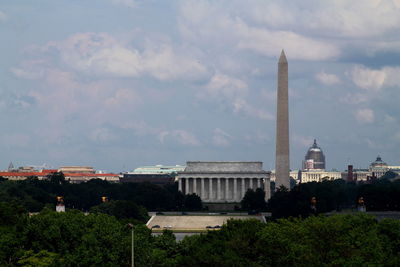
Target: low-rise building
[(84, 177), (76, 169), (158, 174)]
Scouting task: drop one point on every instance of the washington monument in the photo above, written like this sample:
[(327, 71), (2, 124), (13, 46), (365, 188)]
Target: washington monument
[(282, 126)]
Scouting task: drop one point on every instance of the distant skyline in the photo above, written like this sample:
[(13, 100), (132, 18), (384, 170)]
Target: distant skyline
[(116, 84)]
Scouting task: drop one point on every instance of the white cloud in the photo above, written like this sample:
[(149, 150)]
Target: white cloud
[(371, 79), (207, 21), (367, 78), (221, 138), (307, 30), (364, 115), (327, 78), (232, 91), (182, 137), (101, 53), (269, 43), (224, 86), (165, 64), (241, 106), (330, 17)]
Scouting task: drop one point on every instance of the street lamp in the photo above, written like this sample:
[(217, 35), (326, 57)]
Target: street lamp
[(132, 245)]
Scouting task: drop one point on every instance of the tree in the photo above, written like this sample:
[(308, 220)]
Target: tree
[(78, 239), (122, 209), (13, 218), (192, 202), (56, 178), (254, 200), (335, 241), (389, 175), (41, 259)]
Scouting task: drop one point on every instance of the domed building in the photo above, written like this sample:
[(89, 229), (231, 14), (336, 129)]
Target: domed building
[(378, 163), (314, 159), (378, 167)]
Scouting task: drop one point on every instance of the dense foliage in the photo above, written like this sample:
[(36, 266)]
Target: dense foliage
[(254, 201), (34, 194), (379, 195), (75, 239)]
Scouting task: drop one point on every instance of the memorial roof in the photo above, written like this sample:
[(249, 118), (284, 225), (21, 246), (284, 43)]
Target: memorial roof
[(224, 167)]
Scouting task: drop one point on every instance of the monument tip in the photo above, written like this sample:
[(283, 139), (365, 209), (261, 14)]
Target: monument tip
[(282, 58)]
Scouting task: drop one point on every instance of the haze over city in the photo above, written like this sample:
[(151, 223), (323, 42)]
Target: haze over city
[(117, 84)]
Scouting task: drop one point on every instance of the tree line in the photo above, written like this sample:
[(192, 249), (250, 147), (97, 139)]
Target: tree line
[(97, 239), (34, 194), (337, 195)]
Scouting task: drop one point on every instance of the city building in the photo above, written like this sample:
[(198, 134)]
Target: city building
[(318, 176), (375, 170), (221, 181), (72, 174), (76, 169), (76, 177), (23, 175), (313, 168), (379, 167), (314, 159), (157, 174)]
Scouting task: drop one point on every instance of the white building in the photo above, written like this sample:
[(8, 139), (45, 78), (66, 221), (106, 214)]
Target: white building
[(218, 182)]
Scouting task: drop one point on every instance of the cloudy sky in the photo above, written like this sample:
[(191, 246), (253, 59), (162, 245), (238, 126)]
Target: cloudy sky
[(117, 84)]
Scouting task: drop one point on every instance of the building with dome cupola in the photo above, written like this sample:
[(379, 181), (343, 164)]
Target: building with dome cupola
[(314, 159), (314, 167), (378, 168)]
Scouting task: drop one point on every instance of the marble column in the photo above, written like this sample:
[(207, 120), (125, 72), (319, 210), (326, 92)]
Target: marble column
[(195, 186), (235, 192), (180, 184), (210, 194), (203, 195), (243, 188), (258, 183), (267, 189), (187, 186), (219, 188), (251, 183), (226, 188)]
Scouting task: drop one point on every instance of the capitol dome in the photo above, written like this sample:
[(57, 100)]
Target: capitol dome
[(314, 158)]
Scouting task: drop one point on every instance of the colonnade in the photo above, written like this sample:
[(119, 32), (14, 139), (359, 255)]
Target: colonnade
[(221, 189)]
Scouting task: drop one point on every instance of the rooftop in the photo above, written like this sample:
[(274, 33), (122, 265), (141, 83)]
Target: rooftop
[(223, 166)]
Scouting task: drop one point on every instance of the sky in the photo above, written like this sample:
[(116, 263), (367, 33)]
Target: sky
[(118, 84)]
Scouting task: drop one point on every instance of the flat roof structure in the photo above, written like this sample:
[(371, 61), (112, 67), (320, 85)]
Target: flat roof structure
[(194, 223)]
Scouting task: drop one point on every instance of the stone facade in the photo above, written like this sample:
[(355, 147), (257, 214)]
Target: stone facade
[(282, 165), (223, 181)]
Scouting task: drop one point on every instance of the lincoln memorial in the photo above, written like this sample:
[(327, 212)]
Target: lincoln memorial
[(223, 181)]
